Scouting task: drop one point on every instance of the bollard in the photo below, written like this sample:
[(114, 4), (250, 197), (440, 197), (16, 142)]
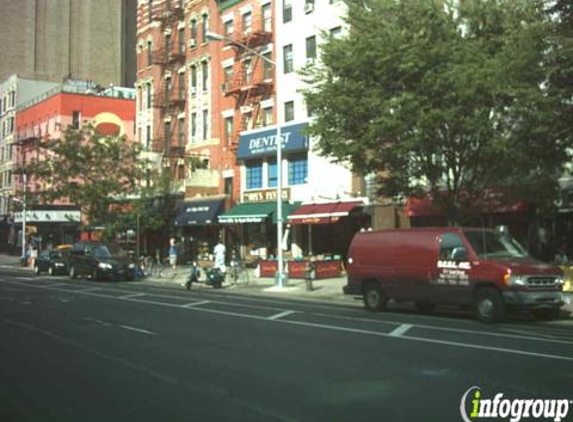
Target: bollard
[(309, 275)]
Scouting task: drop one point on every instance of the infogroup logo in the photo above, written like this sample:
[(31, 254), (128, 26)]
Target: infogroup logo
[(474, 407)]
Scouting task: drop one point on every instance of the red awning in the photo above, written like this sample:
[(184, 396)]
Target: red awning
[(323, 213), (490, 201)]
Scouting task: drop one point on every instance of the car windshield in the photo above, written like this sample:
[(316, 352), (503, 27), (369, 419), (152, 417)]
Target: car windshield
[(109, 251), (489, 244), (56, 254)]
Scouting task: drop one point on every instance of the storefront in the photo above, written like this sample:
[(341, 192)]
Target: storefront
[(53, 225), (197, 227), (256, 224)]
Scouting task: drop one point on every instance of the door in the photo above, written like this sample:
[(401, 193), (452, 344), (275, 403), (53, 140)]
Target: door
[(450, 280)]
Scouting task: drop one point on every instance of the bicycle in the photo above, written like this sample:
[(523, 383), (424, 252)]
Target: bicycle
[(238, 272)]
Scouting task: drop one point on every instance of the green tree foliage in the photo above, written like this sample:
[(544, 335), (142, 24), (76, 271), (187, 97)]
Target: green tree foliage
[(105, 176), (440, 100)]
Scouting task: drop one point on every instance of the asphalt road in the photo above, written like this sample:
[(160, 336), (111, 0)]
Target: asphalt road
[(85, 351)]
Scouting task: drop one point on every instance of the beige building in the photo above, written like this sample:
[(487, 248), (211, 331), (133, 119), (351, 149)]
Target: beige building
[(57, 39)]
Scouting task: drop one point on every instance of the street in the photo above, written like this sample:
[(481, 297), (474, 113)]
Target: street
[(84, 351)]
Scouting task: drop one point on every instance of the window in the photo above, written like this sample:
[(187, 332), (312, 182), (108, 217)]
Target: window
[(194, 30), (267, 116), (205, 71), (248, 71), (181, 132), (228, 76), (167, 133), (205, 124), (451, 246), (311, 47), (272, 179), (309, 6), (228, 27), (297, 169), (229, 128), (181, 40), (267, 67), (287, 11), (205, 21), (287, 57), (289, 111), (254, 175), (148, 95), (193, 126), (267, 18), (148, 136), (76, 118), (228, 185), (336, 32), (194, 77), (149, 53), (248, 120), (247, 22), (150, 10), (12, 98), (181, 86)]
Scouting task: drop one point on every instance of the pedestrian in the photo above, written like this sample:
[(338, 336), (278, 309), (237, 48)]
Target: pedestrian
[(219, 251), (173, 253)]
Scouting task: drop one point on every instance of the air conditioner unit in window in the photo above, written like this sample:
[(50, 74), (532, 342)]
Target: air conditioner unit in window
[(193, 90), (309, 8), (192, 43)]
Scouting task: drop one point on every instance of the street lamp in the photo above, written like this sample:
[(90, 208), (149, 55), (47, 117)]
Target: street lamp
[(23, 202), (280, 260)]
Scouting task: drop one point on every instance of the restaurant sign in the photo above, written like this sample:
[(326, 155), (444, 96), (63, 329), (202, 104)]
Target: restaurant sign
[(264, 143), (265, 195)]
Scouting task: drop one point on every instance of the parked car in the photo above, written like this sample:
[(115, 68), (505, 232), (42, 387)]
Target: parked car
[(100, 261), (475, 267), (54, 261)]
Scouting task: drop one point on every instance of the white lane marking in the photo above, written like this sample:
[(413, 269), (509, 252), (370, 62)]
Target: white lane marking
[(138, 330), (280, 315), (338, 328), (25, 278), (24, 303), (400, 331), (133, 295), (91, 289), (97, 321), (190, 305), (91, 350)]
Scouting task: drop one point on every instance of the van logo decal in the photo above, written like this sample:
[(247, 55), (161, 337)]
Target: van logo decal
[(453, 272)]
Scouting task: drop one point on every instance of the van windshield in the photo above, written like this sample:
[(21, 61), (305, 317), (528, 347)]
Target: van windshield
[(489, 244)]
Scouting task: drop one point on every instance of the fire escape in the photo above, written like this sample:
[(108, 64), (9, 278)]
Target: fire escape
[(252, 79), (169, 95)]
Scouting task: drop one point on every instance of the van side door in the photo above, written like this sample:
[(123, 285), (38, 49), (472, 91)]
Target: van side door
[(450, 280)]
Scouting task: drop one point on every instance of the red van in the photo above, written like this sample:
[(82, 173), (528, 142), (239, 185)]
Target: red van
[(482, 268)]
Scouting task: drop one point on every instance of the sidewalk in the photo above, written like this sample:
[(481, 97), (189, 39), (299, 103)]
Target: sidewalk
[(326, 289)]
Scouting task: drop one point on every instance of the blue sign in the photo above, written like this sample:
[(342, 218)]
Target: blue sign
[(264, 143)]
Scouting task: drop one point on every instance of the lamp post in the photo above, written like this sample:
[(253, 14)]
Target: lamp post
[(23, 202), (280, 277)]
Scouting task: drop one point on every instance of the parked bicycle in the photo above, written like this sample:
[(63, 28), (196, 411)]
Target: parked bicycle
[(238, 272)]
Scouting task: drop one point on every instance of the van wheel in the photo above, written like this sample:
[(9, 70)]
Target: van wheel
[(36, 269), (489, 306), (73, 273), (95, 275), (425, 307), (374, 297), (51, 271)]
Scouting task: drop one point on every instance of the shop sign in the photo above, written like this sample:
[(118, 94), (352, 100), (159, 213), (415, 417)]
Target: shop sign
[(265, 195), (47, 216), (264, 143)]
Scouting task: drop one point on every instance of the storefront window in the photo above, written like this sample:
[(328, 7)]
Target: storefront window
[(272, 170), (297, 169), (255, 175)]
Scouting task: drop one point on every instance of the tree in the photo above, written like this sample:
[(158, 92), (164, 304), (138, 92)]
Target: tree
[(440, 99), (102, 175)]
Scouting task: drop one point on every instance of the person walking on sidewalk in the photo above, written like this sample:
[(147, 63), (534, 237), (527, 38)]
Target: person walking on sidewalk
[(173, 254), (219, 252)]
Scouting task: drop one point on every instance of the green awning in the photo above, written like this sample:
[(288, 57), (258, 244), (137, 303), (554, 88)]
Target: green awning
[(256, 212)]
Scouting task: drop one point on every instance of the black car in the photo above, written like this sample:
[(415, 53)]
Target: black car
[(54, 261), (100, 261)]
